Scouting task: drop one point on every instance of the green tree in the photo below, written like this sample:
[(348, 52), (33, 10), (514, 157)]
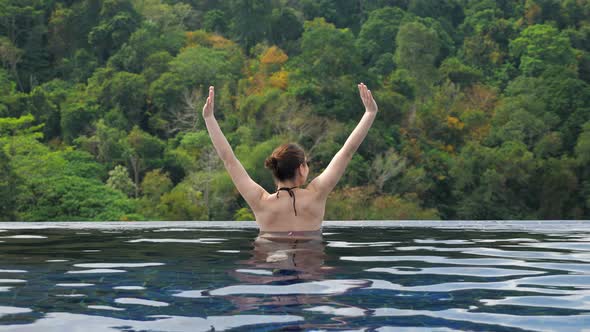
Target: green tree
[(206, 66), (44, 102), (574, 12), (450, 12), (385, 167), (541, 46), (123, 90), (154, 185), (377, 36), (285, 26), (8, 188), (460, 73), (117, 21), (22, 33), (417, 49), (68, 28), (119, 180), (145, 41), (77, 113), (79, 199), (583, 159), (557, 101), (142, 151), (167, 17), (361, 203), (155, 65), (250, 22), (557, 187), (183, 202), (327, 51), (244, 214), (323, 73), (165, 92), (7, 90), (494, 183), (11, 56), (487, 32), (215, 21), (106, 145), (583, 145), (56, 185), (342, 13)]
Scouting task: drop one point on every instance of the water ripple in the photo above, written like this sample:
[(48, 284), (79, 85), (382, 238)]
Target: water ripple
[(580, 302), (105, 307), (510, 285), (346, 244), (129, 287), (205, 240), (96, 271), (346, 311), (23, 237), (4, 310), (581, 246), (459, 271), (55, 322), (433, 259), (12, 281), (116, 265), (151, 303), (443, 241), (315, 287), (566, 323)]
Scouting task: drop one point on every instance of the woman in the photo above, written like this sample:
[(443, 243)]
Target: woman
[(299, 211)]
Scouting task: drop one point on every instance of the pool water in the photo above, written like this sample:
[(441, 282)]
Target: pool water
[(441, 276)]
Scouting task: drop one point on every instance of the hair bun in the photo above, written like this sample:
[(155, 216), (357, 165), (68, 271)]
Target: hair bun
[(271, 162)]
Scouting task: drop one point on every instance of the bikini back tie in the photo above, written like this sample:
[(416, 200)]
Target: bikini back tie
[(291, 193)]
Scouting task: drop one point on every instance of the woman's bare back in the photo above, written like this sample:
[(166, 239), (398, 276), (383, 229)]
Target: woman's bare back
[(278, 215)]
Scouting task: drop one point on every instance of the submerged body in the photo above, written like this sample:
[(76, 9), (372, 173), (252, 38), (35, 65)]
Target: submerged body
[(297, 211)]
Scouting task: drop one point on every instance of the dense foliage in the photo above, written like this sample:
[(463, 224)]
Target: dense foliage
[(484, 105)]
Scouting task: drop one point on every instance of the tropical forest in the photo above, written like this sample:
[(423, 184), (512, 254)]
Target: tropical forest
[(484, 106)]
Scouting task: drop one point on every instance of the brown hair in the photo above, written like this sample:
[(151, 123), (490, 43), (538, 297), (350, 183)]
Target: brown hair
[(284, 161)]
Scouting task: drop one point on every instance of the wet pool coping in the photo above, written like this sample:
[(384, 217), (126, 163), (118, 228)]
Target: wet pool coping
[(530, 225)]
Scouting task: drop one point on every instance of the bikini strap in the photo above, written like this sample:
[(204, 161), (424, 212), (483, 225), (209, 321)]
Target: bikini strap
[(291, 193)]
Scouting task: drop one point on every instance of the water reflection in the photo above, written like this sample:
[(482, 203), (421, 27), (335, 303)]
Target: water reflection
[(290, 274), (277, 262), (288, 259)]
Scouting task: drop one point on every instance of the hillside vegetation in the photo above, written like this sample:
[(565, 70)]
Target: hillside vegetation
[(484, 106)]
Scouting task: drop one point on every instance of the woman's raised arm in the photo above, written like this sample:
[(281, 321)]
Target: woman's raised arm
[(326, 181), (250, 190)]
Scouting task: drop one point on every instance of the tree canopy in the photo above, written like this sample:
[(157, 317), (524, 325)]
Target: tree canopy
[(484, 106)]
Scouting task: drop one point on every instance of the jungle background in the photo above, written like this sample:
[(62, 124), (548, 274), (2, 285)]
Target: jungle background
[(484, 106)]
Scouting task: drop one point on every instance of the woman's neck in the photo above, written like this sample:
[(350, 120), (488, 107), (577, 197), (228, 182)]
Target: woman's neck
[(288, 184)]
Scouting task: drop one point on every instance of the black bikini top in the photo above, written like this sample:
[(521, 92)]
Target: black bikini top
[(291, 193)]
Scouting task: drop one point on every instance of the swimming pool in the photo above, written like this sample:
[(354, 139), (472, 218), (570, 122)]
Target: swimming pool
[(383, 276)]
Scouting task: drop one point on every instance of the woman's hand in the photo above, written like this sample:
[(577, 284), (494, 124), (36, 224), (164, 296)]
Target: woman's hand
[(208, 108), (367, 97)]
